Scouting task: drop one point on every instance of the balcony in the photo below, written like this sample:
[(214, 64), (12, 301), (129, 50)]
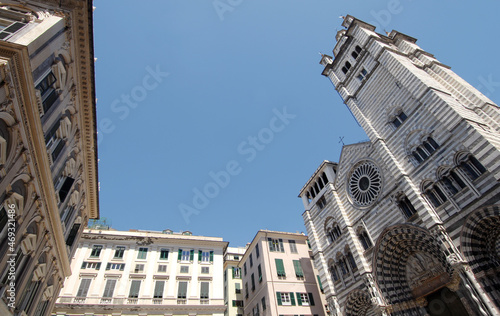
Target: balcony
[(71, 300)]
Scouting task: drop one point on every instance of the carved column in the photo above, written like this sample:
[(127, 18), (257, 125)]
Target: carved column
[(376, 298)]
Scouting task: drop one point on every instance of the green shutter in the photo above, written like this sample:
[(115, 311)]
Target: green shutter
[(122, 266), (298, 268), (211, 256), (84, 265), (234, 303), (199, 255), (299, 300), (279, 267), (98, 266), (311, 299), (179, 257), (319, 283), (292, 298), (233, 272), (260, 273), (108, 266), (278, 297), (191, 255)]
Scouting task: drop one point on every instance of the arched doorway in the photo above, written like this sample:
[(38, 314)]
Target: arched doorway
[(409, 266), (358, 303), (480, 246), (444, 302)]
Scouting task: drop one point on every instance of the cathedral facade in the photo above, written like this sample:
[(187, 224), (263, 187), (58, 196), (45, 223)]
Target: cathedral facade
[(408, 222)]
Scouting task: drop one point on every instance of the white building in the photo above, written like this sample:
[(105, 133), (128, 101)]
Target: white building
[(145, 273), (407, 223)]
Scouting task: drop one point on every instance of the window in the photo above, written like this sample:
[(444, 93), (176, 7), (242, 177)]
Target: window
[(280, 269), (143, 253), (276, 245), (109, 288), (91, 265), (285, 298), (343, 266), (298, 269), (333, 233), (253, 282), (453, 183), (259, 270), (333, 273), (184, 269), (236, 273), (48, 92), (423, 151), (434, 194), (205, 256), (237, 303), (406, 207), (205, 270), (139, 268), (237, 288), (162, 268), (159, 287), (472, 167), (255, 310), (251, 261), (365, 239), (164, 254), (96, 251), (355, 53), (257, 252), (263, 301), (182, 290), (362, 75), (204, 286), (236, 257), (8, 28), (115, 266), (84, 288), (352, 262), (320, 284), (119, 252), (321, 202), (53, 143), (134, 289), (64, 189), (346, 67), (185, 255), (293, 246), (399, 119), (305, 299), (246, 289)]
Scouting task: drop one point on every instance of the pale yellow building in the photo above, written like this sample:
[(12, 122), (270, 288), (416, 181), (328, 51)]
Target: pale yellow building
[(233, 293)]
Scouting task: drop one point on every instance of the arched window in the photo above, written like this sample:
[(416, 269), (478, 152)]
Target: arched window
[(434, 194), (352, 262), (423, 151), (346, 67), (399, 119), (364, 239), (472, 167), (406, 207)]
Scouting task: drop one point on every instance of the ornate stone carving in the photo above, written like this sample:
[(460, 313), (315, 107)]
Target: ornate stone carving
[(420, 267)]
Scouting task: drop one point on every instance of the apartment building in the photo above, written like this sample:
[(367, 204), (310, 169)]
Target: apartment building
[(151, 273), (233, 294), (278, 276)]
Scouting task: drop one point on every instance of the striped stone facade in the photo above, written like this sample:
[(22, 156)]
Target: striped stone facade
[(407, 223)]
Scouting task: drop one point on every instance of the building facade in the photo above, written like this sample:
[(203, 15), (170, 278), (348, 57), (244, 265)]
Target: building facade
[(278, 276), (407, 223), (48, 154), (233, 294), (144, 273)]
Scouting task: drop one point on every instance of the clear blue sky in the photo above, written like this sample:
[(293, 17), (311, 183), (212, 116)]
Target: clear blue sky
[(192, 91)]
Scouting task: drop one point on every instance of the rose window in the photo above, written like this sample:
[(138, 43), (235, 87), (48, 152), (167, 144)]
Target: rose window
[(365, 184)]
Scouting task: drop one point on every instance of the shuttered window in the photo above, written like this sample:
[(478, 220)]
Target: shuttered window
[(134, 289), (204, 290), (280, 269), (84, 288), (109, 288), (182, 290), (298, 269), (159, 286)]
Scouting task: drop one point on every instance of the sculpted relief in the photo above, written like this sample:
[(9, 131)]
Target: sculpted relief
[(421, 267)]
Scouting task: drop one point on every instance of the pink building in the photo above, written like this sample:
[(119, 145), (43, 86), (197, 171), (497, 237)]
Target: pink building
[(279, 278)]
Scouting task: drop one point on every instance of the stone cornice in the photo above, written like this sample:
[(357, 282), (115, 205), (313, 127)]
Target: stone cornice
[(82, 35)]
